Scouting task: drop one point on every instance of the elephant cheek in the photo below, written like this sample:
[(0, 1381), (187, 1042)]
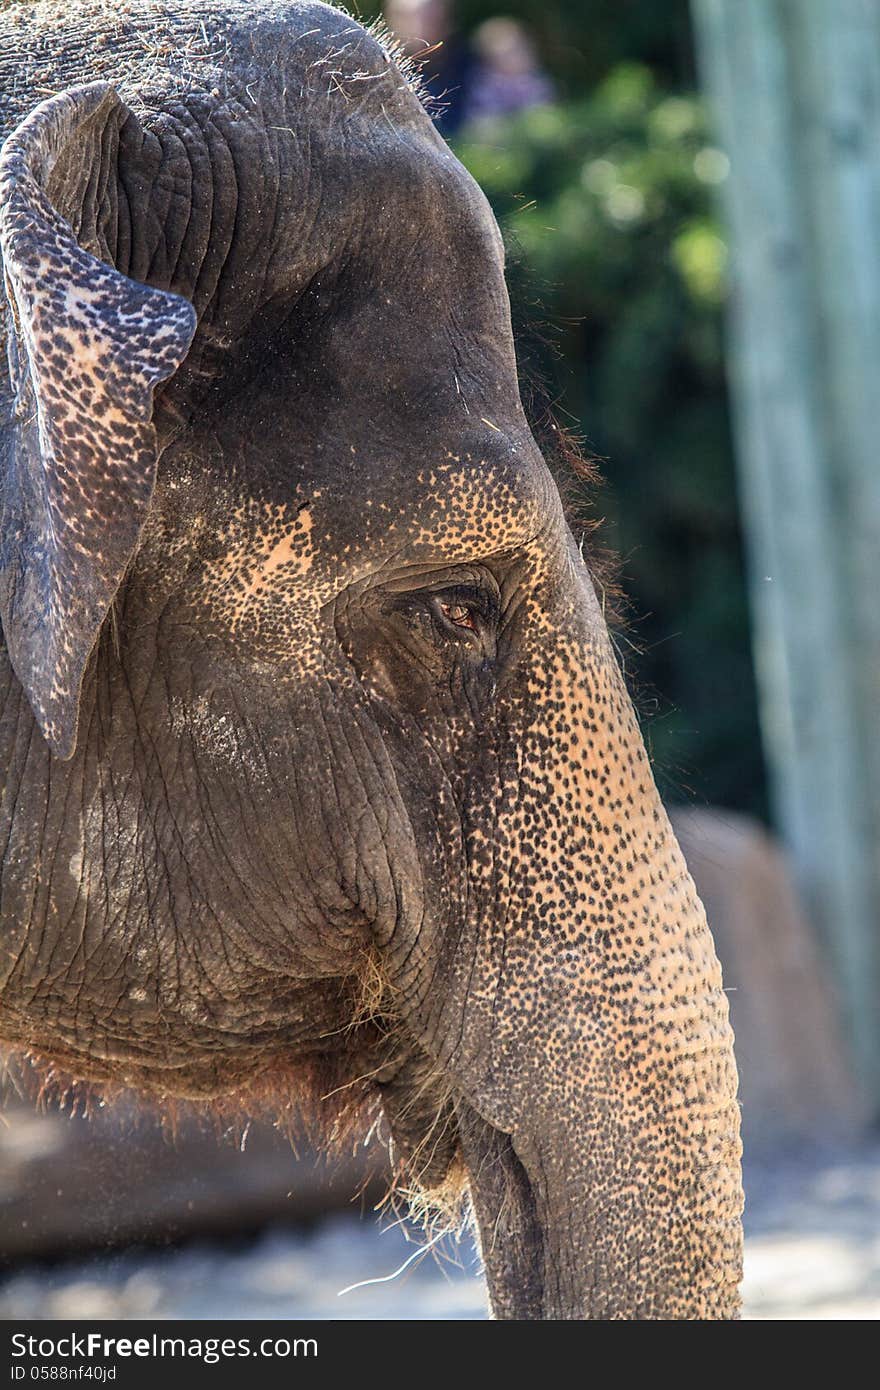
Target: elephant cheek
[(597, 1061)]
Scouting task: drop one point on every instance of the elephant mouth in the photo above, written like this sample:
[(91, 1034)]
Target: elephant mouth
[(513, 1248)]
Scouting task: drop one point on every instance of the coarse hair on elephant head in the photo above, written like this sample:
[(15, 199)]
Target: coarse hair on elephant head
[(319, 763)]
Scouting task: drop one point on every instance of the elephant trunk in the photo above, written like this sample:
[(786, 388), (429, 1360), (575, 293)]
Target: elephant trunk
[(595, 1057), (616, 1193)]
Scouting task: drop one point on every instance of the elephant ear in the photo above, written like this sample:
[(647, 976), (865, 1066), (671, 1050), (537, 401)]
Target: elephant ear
[(87, 347)]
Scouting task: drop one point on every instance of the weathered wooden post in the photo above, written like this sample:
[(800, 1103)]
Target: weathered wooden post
[(795, 91)]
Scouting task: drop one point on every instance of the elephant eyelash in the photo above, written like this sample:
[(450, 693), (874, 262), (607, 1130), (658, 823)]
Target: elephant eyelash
[(459, 614), (462, 611)]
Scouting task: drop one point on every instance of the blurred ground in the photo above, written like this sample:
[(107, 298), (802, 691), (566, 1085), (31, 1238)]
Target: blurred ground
[(813, 1237), (813, 1252)]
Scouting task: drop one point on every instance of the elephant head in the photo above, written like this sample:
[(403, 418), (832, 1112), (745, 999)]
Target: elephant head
[(318, 759)]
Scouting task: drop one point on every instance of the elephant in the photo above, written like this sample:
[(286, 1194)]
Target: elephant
[(322, 786)]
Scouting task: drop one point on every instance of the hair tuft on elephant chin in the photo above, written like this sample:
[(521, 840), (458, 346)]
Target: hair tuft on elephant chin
[(314, 1105)]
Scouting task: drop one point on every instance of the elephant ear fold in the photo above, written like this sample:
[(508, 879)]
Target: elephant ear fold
[(87, 347)]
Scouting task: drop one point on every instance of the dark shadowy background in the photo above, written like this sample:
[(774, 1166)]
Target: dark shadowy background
[(604, 190)]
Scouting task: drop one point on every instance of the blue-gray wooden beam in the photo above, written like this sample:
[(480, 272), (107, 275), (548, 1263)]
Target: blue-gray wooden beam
[(794, 87)]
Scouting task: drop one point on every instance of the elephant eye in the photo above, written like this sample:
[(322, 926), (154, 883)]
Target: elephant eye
[(459, 614), (462, 612)]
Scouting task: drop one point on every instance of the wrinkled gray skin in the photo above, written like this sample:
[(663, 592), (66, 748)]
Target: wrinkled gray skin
[(318, 768)]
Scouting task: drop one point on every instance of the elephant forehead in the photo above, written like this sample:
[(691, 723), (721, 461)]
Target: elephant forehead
[(324, 539), (458, 508)]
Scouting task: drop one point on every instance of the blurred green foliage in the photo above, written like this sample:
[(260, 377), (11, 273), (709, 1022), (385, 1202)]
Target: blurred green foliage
[(580, 41), (617, 274), (607, 207)]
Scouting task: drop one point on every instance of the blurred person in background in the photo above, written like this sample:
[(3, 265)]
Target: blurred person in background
[(507, 75), (427, 31)]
